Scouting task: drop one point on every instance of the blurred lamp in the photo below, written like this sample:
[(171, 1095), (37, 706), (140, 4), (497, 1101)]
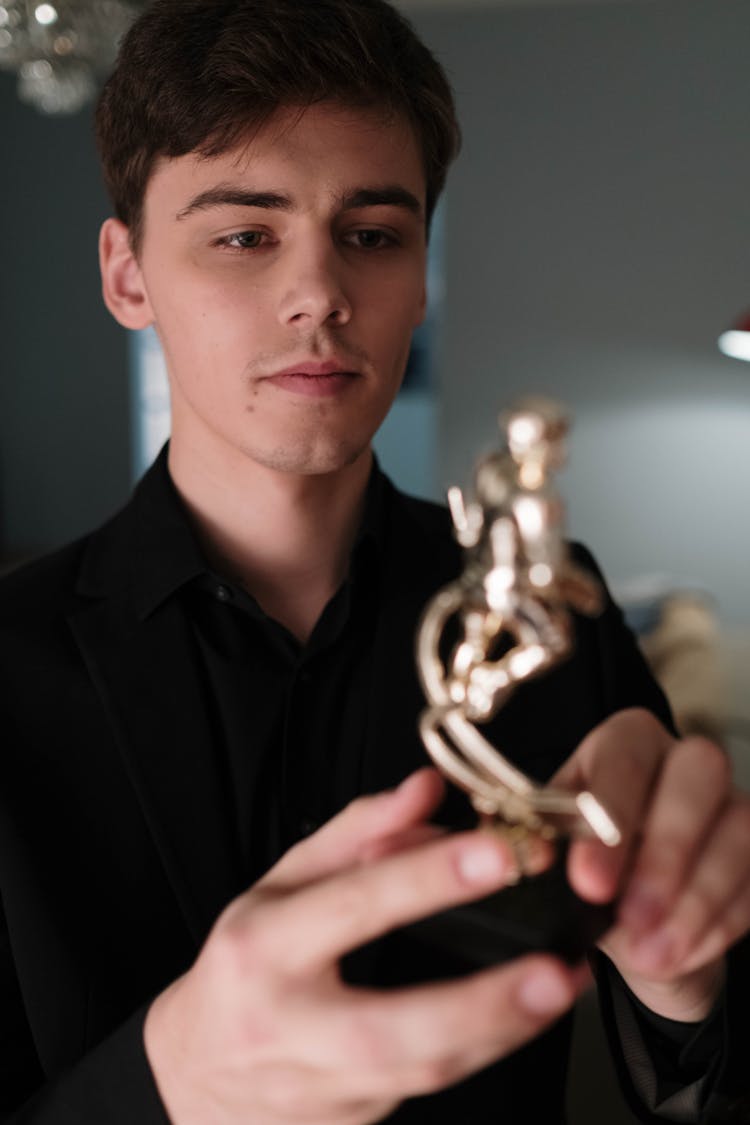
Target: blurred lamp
[(735, 342), (59, 49)]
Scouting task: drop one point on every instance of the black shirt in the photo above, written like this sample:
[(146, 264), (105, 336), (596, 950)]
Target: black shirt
[(288, 720)]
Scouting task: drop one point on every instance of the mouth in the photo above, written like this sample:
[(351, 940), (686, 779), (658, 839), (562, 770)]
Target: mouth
[(314, 378)]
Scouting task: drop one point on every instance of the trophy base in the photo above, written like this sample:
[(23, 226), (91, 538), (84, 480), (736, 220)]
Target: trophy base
[(540, 914)]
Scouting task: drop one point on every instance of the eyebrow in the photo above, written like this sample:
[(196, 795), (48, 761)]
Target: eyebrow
[(225, 195), (391, 196)]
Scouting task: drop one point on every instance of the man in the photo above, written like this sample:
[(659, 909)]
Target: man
[(191, 692)]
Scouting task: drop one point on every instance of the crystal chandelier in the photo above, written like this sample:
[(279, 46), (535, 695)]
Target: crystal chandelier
[(60, 48)]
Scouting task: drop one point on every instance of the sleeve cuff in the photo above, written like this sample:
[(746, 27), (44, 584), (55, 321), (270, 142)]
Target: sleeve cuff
[(111, 1085), (667, 1067)]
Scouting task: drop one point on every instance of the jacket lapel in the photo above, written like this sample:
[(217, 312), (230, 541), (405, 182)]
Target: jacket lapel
[(142, 663), (148, 685)]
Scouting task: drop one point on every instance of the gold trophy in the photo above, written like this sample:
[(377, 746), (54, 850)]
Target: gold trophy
[(511, 607)]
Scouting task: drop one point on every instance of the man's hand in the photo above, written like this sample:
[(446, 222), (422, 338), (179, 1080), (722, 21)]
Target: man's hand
[(682, 873), (263, 1030)]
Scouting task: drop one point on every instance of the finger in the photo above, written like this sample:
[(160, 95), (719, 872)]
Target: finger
[(350, 907), (713, 901), (365, 825), (418, 1040), (692, 788), (402, 841), (618, 762), (734, 925)]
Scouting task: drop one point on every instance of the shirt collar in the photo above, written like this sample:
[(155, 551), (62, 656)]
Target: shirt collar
[(169, 557), (168, 554)]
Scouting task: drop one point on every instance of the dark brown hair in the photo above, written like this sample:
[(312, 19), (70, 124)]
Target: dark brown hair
[(201, 75)]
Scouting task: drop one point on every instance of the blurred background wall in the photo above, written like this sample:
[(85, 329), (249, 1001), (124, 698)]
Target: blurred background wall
[(597, 241), (64, 424)]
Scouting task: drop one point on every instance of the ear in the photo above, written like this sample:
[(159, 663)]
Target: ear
[(123, 287)]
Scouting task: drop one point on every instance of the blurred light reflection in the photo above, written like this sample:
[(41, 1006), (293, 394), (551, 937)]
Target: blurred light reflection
[(60, 50)]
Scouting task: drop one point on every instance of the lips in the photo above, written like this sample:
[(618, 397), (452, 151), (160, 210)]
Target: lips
[(315, 368), (314, 379)]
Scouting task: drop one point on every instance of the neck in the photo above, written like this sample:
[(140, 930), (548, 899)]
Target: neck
[(285, 537)]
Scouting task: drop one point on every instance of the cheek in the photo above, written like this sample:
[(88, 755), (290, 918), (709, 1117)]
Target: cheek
[(210, 321), (408, 299), (401, 306)]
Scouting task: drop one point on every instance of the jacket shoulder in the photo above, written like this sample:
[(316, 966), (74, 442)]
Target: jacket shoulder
[(43, 584), (57, 581)]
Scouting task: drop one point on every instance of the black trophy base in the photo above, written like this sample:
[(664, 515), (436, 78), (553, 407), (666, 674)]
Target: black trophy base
[(540, 914)]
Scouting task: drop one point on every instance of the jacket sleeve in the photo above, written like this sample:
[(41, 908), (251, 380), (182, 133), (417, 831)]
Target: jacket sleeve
[(706, 1082), (111, 1085)]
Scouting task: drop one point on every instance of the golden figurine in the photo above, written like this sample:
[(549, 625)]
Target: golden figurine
[(512, 607)]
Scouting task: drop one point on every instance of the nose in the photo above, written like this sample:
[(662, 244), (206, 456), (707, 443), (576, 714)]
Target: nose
[(314, 292)]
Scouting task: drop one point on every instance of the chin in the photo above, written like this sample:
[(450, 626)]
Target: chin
[(318, 460)]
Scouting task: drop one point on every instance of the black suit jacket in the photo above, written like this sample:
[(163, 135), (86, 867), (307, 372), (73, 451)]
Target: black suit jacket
[(114, 858)]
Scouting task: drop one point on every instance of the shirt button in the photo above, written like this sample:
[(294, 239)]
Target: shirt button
[(223, 594)]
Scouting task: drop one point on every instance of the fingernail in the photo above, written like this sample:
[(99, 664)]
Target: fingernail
[(482, 862), (544, 992)]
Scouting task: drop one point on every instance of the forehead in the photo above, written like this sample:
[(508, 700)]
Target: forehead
[(321, 150)]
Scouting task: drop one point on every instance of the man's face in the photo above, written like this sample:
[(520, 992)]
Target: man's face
[(284, 279)]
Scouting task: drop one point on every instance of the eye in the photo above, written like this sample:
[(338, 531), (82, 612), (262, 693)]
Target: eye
[(371, 238), (244, 240)]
